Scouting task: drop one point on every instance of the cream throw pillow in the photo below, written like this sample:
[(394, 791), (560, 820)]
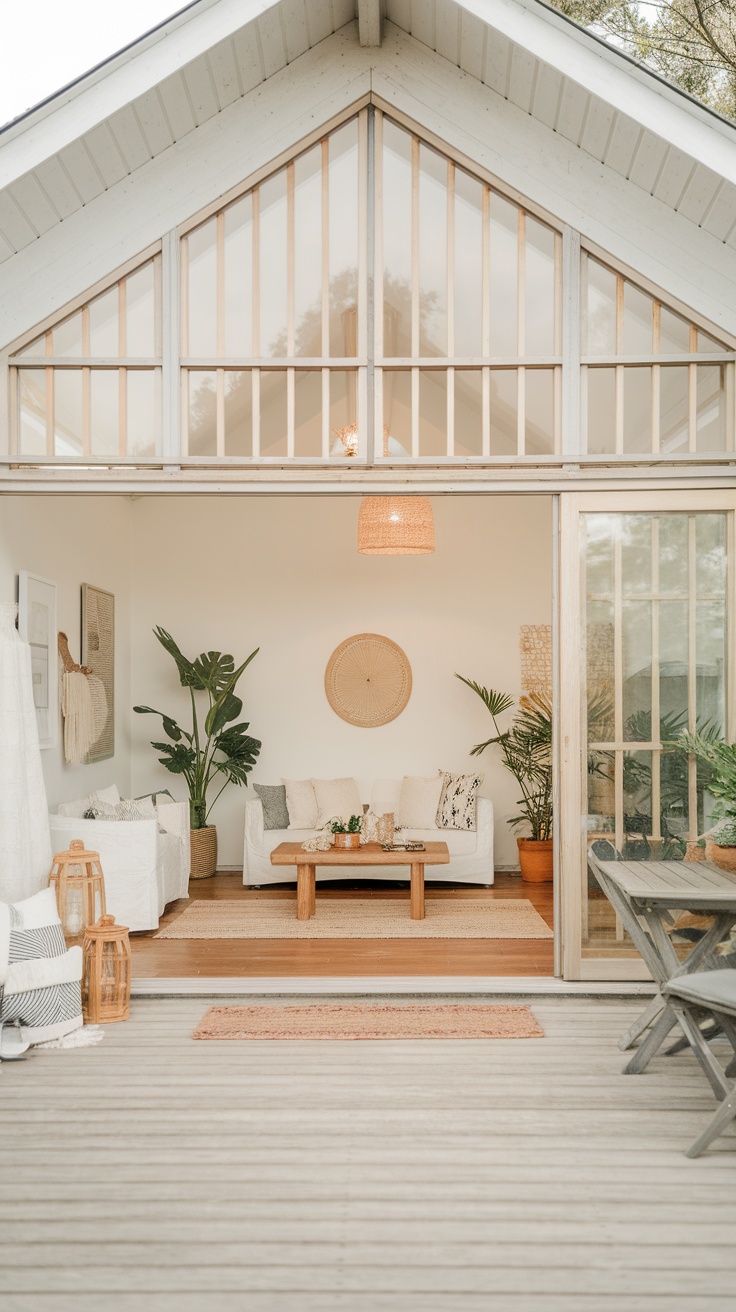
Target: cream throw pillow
[(458, 803), (336, 797), (301, 803), (419, 801)]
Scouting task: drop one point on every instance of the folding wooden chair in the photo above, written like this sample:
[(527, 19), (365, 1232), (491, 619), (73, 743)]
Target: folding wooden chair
[(710, 993)]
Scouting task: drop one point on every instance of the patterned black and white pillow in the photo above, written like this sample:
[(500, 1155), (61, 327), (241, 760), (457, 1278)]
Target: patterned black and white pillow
[(457, 808)]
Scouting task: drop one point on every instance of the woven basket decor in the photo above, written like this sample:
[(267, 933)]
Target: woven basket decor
[(204, 852), (368, 680)]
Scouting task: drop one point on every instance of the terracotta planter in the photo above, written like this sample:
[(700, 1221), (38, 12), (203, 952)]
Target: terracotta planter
[(348, 842), (535, 859), (725, 857), (203, 861)]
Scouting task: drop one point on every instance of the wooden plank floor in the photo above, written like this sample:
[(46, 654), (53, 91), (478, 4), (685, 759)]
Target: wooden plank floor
[(153, 1173), (223, 958)]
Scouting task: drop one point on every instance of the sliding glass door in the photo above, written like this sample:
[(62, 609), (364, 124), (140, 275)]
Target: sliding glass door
[(645, 590)]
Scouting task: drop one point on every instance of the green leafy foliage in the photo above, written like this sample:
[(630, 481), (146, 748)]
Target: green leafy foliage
[(223, 750), (526, 751), (720, 756), (351, 826)]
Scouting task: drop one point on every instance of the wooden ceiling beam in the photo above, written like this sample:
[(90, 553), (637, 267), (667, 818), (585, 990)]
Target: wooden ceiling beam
[(370, 22)]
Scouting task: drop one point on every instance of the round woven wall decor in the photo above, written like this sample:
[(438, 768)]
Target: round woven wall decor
[(368, 680)]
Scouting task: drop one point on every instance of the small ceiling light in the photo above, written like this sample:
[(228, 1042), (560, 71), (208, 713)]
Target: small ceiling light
[(395, 526)]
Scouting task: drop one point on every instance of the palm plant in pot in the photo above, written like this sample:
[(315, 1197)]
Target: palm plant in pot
[(215, 750), (526, 752), (719, 758)]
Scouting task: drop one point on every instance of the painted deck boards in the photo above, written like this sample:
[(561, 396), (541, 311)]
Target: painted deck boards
[(155, 1172)]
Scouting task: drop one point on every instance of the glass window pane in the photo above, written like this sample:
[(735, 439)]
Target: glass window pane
[(601, 411), (708, 345), (710, 555), (468, 412), (539, 318), (710, 685), (673, 408), (344, 407), (32, 411), (636, 623), (468, 256), (396, 240), (308, 412), (239, 413), (273, 265), (396, 412), (202, 413), (503, 277), (36, 347), (674, 333), (139, 313), (68, 412), (673, 555), (637, 321), (599, 556), (273, 412), (636, 554), (103, 325), (144, 412), (673, 657), (539, 412), (504, 412), (202, 256), (711, 418), (432, 412), (637, 409), (600, 320), (308, 253), (104, 394), (343, 191), (432, 252), (67, 336), (239, 279)]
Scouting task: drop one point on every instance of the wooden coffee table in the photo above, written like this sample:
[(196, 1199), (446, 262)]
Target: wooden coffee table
[(370, 854)]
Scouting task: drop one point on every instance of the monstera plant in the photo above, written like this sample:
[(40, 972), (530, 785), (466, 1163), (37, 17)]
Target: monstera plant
[(216, 750)]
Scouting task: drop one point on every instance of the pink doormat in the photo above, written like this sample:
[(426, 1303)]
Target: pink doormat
[(326, 1021)]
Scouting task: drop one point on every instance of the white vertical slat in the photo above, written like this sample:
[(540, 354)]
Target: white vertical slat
[(692, 674), (220, 413), (325, 248), (325, 379), (415, 220), (290, 259), (256, 269), (692, 395), (368, 280), (171, 334), (256, 412), (655, 725), (122, 373), (656, 378), (572, 756), (415, 413), (571, 306), (618, 666), (290, 405), (450, 412), (521, 410), (486, 412), (220, 290)]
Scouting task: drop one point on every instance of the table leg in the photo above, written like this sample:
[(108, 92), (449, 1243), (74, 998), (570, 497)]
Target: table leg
[(304, 892), (313, 891), (417, 890)]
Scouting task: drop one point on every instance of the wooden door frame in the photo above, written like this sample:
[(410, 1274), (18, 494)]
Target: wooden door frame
[(569, 686)]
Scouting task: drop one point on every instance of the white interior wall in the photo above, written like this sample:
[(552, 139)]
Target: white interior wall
[(71, 541), (284, 574)]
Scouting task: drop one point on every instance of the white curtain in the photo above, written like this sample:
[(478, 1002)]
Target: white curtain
[(25, 840)]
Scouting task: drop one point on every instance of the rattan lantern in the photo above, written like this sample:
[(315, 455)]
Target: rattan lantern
[(77, 879), (395, 526), (106, 972)]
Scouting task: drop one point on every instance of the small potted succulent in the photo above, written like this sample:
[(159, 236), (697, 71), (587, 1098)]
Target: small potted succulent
[(720, 844), (346, 832)]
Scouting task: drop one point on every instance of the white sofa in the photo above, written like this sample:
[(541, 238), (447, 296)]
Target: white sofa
[(471, 851), (145, 862)]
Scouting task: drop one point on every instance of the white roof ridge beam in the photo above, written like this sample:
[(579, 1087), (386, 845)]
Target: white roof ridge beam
[(370, 22), (601, 70), (143, 66)]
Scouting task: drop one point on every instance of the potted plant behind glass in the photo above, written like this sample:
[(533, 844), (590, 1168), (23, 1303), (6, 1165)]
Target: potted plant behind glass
[(346, 832), (217, 749), (719, 758), (526, 752)]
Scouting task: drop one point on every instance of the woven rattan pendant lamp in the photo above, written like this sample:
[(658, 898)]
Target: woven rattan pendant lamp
[(395, 526)]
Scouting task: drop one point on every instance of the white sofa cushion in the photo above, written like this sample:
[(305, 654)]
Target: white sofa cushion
[(386, 796), (418, 802), (336, 797), (301, 803)]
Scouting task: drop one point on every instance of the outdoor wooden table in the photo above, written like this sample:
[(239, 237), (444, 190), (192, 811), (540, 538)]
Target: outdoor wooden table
[(370, 854), (647, 891)]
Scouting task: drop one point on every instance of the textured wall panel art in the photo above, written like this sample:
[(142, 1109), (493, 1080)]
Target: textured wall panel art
[(98, 653), (535, 647)]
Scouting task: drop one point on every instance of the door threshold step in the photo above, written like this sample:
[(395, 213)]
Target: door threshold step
[(367, 985)]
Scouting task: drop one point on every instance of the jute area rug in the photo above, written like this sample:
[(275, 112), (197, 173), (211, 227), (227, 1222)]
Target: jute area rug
[(328, 1021), (359, 918)]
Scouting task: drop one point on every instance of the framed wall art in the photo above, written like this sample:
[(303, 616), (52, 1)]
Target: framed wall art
[(98, 654), (37, 626)]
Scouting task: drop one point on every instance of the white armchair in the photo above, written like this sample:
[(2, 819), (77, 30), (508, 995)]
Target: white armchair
[(145, 862)]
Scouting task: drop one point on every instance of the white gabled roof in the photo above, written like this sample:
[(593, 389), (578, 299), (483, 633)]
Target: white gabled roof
[(60, 156)]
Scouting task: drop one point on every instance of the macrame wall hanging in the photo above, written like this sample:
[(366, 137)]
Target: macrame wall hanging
[(83, 706)]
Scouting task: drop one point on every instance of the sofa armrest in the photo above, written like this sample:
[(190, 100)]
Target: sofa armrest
[(484, 824), (254, 829)]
